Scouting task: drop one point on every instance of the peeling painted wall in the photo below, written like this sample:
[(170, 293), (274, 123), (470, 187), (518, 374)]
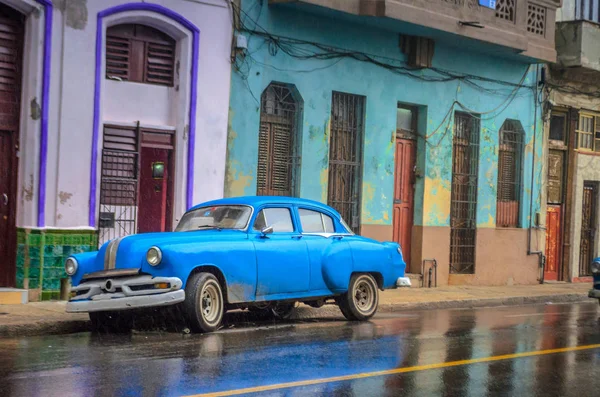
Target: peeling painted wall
[(315, 80)]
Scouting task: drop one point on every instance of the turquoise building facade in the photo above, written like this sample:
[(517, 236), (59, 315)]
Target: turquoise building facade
[(322, 53)]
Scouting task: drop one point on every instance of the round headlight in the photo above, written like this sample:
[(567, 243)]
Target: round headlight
[(70, 266), (154, 256), (595, 268)]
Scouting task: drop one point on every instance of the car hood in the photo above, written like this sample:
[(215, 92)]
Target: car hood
[(130, 251)]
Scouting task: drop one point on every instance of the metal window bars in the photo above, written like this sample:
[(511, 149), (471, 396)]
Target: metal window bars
[(463, 206)]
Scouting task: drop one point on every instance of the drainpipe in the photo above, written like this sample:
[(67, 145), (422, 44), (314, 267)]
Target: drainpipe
[(540, 254)]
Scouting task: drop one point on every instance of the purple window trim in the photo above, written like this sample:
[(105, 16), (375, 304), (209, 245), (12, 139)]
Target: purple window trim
[(98, 81), (48, 11)]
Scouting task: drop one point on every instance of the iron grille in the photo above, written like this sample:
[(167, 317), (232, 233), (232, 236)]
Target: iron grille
[(119, 183), (345, 156), (278, 160), (463, 206), (588, 228), (509, 173)]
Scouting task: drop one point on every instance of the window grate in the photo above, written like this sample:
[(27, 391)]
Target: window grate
[(463, 206), (588, 228), (506, 10), (345, 156), (536, 19), (278, 159), (510, 156), (119, 183)]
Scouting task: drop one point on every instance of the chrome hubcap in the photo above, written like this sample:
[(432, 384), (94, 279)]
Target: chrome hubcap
[(210, 303), (364, 296)]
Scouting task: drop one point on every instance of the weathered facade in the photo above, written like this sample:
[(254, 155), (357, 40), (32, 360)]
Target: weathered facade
[(114, 122), (418, 121), (573, 143)]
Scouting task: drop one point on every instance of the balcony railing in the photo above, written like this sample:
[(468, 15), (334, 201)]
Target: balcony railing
[(524, 26)]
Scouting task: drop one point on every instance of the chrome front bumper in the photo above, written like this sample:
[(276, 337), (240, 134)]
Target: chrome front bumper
[(594, 293), (125, 293)]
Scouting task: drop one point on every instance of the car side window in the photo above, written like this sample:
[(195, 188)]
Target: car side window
[(315, 222), (279, 218)]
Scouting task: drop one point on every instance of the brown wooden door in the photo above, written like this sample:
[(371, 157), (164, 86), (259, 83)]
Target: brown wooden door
[(404, 193), (553, 242), (11, 49), (588, 228), (155, 191)]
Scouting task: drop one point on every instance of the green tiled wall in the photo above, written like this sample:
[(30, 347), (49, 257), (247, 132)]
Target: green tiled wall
[(41, 255)]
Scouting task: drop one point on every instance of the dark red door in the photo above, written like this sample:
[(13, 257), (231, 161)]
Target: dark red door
[(11, 49), (553, 242), (404, 193), (155, 192)]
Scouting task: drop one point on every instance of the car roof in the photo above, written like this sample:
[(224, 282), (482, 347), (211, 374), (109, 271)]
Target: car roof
[(258, 201)]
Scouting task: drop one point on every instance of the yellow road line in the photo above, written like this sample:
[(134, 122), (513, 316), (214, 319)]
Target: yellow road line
[(395, 371)]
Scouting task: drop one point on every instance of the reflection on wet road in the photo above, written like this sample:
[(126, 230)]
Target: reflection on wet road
[(420, 352)]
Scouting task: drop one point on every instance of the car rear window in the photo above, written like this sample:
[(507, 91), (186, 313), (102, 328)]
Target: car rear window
[(315, 222)]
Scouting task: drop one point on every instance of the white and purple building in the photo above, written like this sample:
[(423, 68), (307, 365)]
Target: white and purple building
[(113, 120)]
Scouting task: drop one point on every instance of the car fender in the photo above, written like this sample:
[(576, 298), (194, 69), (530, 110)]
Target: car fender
[(337, 265)]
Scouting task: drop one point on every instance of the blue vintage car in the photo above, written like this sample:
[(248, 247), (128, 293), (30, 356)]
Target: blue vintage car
[(595, 291), (259, 253)]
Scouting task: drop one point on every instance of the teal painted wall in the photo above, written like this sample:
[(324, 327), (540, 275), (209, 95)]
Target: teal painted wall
[(316, 79)]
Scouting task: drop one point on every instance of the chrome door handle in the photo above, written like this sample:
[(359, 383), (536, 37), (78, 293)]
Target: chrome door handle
[(5, 198)]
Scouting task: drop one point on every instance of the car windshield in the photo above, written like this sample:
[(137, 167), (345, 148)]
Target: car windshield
[(215, 217)]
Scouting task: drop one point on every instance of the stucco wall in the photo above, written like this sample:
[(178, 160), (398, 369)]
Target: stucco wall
[(587, 169), (73, 79), (315, 81)]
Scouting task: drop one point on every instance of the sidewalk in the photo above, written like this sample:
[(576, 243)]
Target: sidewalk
[(43, 318)]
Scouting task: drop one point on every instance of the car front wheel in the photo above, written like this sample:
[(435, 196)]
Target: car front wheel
[(204, 304), (360, 302)]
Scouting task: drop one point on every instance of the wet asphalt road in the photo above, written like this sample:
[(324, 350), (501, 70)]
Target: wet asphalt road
[(247, 355)]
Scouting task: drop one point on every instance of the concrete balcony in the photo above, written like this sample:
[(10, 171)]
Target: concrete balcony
[(577, 45), (524, 27)]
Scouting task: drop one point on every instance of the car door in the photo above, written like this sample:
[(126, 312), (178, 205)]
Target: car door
[(281, 255), (325, 246)]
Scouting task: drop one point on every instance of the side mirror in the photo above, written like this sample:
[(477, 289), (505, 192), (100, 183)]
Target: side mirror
[(266, 230)]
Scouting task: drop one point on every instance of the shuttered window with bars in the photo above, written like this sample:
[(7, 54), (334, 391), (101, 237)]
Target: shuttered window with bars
[(140, 54), (510, 158), (278, 158)]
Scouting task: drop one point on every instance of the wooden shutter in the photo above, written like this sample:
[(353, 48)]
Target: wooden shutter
[(140, 54), (281, 177), (119, 166), (11, 43), (118, 51), (509, 170), (275, 148), (159, 63)]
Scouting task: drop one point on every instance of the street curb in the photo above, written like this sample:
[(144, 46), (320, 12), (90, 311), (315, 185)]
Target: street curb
[(63, 327), (493, 302), (60, 327)]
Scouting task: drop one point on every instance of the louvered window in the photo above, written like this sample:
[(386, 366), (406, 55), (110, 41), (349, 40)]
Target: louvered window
[(510, 155), (140, 54), (278, 158)]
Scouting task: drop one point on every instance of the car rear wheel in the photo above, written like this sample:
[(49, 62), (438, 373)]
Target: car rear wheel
[(360, 302), (113, 322), (204, 304)]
